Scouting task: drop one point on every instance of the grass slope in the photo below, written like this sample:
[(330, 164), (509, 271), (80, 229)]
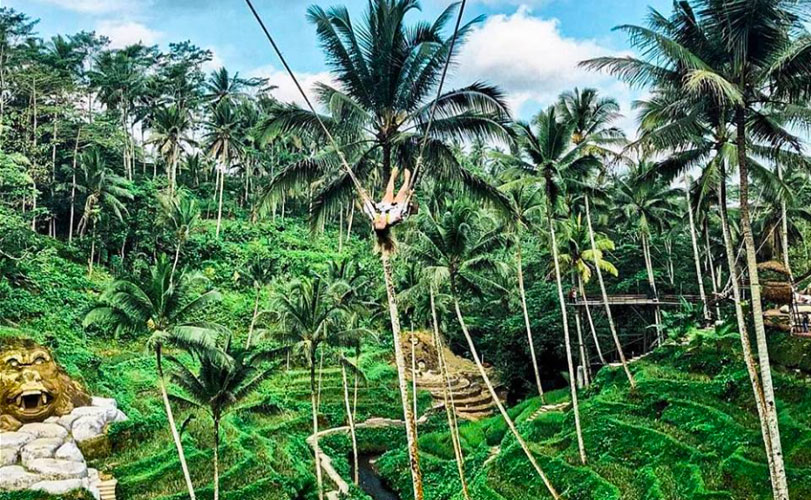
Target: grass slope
[(689, 431)]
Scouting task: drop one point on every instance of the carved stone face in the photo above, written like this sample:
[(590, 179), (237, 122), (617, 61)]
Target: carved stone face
[(32, 386)]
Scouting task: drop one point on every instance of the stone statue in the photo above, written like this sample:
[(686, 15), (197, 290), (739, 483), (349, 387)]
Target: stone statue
[(32, 386)]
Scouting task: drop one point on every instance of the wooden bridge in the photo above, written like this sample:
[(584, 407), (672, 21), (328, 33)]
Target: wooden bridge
[(634, 300)]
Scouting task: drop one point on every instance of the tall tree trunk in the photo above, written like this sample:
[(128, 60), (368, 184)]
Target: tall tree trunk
[(567, 341), (316, 449), (341, 228), (73, 186), (590, 320), (447, 396), (253, 318), (351, 420), (414, 381), (408, 416), (175, 261), (349, 221), (34, 155), (581, 346), (611, 325), (784, 226), (746, 348), (712, 273), (652, 283), (219, 202), (696, 254), (781, 483), (497, 401), (173, 171), (92, 249), (216, 459), (172, 425), (525, 311), (784, 244), (54, 141)]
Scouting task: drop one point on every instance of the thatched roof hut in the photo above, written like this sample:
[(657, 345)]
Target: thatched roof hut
[(775, 282)]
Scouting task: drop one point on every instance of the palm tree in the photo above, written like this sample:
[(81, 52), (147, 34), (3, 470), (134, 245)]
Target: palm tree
[(646, 204), (581, 259), (454, 247), (388, 73), (696, 254), (180, 214), (260, 272), (169, 128), (168, 312), (724, 74), (103, 190), (222, 86), (447, 396), (547, 154), (526, 202), (591, 118), (312, 310), (117, 77), (224, 380), (225, 146)]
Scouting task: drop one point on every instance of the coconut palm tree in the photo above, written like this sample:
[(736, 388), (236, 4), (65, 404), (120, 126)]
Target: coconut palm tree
[(527, 202), (646, 205), (260, 272), (735, 66), (222, 86), (548, 155), (170, 125), (578, 257), (168, 311), (224, 380), (388, 74), (103, 190), (313, 312), (224, 146), (385, 97), (455, 246), (591, 118), (179, 214)]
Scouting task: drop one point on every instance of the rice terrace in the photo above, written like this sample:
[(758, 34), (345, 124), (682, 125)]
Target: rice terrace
[(405, 250)]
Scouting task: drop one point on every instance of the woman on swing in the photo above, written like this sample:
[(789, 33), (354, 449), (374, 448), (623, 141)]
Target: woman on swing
[(391, 210)]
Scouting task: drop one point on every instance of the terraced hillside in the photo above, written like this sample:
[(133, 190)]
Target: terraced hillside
[(264, 452), (689, 431)]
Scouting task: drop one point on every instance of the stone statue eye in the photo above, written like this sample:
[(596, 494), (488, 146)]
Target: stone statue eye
[(13, 362), (39, 360)]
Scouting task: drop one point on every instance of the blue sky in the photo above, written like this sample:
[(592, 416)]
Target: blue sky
[(530, 48)]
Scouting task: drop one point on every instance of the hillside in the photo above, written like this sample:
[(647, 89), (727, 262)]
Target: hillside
[(689, 431)]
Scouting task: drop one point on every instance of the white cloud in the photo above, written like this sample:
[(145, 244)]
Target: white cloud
[(123, 33), (97, 6), (531, 60), (287, 91)]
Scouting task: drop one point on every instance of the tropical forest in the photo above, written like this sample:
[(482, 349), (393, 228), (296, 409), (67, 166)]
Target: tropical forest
[(379, 269)]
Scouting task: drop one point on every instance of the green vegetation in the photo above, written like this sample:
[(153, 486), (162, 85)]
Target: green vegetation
[(209, 257), (688, 431)]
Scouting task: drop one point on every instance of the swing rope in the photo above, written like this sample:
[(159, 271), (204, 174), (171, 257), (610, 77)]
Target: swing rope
[(361, 191)]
